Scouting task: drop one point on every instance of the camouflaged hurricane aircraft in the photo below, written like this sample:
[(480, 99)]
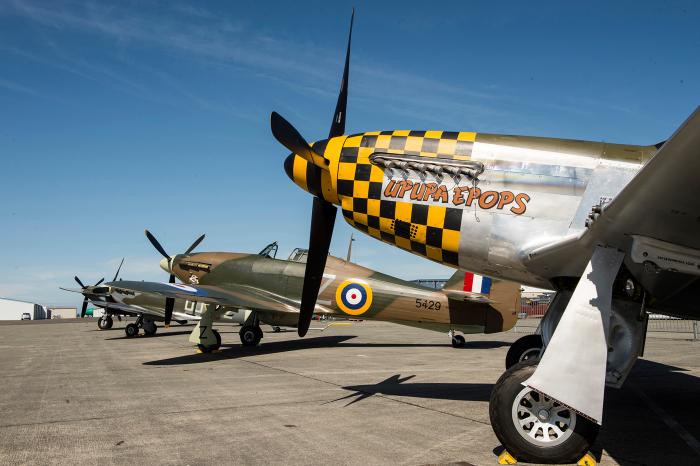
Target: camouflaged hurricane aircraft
[(258, 288), (613, 228)]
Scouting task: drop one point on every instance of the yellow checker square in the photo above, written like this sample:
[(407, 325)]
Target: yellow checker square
[(428, 154), (450, 240), (433, 253), (373, 232), (383, 141), (373, 206), (436, 216), (386, 225), (466, 136), (371, 133), (353, 141), (420, 231), (461, 157), (376, 174), (447, 146), (403, 211), (414, 143), (403, 243), (401, 132), (359, 218), (346, 171), (360, 189), (433, 134), (346, 203), (363, 154)]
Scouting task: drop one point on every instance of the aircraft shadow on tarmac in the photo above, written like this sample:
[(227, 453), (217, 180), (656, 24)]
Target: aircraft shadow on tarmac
[(157, 335), (233, 351), (636, 420), (396, 386)]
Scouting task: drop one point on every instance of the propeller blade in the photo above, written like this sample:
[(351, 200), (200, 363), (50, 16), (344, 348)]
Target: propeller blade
[(79, 282), (101, 280), (84, 308), (157, 245), (118, 269), (195, 244), (169, 305), (322, 222), (289, 137), (338, 124)]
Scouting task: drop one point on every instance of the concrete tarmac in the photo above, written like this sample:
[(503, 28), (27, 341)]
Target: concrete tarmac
[(362, 394)]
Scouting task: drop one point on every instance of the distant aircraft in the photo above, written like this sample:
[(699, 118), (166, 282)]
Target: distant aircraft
[(614, 229), (268, 290), (147, 308)]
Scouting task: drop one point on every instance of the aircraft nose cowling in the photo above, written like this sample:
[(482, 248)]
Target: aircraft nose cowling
[(165, 265)]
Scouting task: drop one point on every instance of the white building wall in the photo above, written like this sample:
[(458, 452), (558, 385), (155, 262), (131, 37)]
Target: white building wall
[(13, 310)]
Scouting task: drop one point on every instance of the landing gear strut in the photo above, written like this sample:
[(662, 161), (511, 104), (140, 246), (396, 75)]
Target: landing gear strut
[(250, 335)]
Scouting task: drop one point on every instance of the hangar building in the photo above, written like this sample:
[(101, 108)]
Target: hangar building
[(12, 309)]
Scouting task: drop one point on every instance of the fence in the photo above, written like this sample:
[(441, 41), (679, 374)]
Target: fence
[(534, 305)]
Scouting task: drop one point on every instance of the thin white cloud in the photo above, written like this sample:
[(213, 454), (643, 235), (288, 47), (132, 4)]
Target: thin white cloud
[(16, 87)]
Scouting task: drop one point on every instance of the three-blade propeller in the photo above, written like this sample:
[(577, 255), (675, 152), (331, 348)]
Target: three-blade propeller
[(323, 212), (83, 309), (170, 302)]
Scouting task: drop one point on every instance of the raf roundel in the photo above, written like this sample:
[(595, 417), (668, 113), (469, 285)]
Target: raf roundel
[(353, 297)]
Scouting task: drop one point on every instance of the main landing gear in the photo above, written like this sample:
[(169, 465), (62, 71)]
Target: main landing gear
[(212, 347), (105, 322), (251, 335), (524, 349), (149, 327), (530, 423)]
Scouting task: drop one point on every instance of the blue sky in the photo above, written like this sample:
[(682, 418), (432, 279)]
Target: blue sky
[(115, 117)]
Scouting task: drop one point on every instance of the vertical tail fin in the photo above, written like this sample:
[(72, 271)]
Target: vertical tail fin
[(502, 295)]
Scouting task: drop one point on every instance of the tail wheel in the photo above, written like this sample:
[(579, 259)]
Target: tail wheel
[(525, 348), (458, 341), (210, 348), (535, 428)]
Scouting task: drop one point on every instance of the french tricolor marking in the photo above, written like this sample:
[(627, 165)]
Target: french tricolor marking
[(474, 283)]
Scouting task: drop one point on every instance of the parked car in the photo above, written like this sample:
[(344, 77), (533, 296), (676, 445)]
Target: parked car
[(26, 316)]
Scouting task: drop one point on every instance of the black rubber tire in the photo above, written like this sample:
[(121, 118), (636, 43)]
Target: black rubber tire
[(276, 329), (500, 412), (250, 336), (104, 323), (458, 341), (521, 346), (210, 348), (259, 332), (131, 330), (150, 331)]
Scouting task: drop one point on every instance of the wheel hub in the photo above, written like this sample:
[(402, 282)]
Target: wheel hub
[(541, 420)]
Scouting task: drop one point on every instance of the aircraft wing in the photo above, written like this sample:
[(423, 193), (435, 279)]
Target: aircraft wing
[(661, 202), (236, 296)]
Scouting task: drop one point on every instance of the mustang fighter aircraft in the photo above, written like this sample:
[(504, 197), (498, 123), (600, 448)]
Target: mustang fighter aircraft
[(263, 289), (613, 228)]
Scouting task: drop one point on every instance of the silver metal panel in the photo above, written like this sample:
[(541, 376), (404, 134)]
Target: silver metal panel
[(572, 369)]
